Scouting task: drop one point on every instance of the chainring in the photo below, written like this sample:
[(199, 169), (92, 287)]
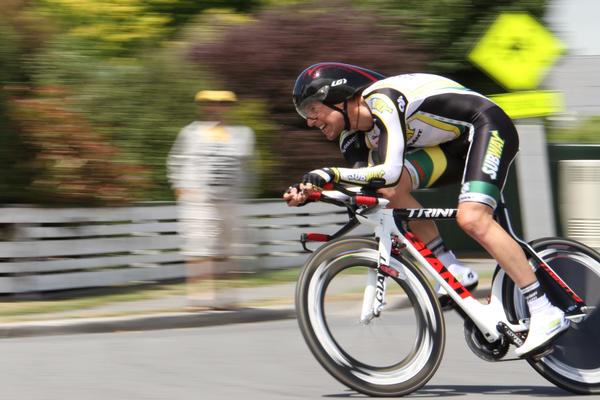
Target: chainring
[(482, 348)]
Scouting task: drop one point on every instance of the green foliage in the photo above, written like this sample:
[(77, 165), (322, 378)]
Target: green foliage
[(585, 132), (184, 11), (139, 104), (211, 26), (9, 52), (449, 29), (123, 75), (14, 153), (255, 114), (140, 107), (72, 162), (121, 28), (261, 59), (66, 62), (107, 26)]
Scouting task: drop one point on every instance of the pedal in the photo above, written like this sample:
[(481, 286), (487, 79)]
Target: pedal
[(576, 319)]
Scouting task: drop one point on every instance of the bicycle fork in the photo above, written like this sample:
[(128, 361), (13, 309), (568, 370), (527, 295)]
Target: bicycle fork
[(374, 294)]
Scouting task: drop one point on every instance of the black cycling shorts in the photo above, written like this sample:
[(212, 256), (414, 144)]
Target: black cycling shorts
[(479, 160)]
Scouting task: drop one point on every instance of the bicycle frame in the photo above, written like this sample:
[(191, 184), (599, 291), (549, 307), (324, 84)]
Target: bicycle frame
[(489, 318), (485, 316)]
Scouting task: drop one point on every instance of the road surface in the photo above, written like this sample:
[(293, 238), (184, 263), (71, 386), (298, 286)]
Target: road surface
[(254, 361)]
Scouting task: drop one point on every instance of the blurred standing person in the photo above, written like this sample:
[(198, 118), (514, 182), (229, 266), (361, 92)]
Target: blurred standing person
[(206, 169)]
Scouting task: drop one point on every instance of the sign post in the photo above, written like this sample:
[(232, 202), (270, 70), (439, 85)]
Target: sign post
[(517, 51)]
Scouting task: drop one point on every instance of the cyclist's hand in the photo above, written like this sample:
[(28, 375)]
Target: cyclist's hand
[(318, 178), (298, 195), (295, 196)]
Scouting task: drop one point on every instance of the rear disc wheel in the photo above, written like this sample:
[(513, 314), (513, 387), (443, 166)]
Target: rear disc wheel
[(574, 365)]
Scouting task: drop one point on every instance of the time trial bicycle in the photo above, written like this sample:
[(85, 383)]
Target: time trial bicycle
[(370, 316)]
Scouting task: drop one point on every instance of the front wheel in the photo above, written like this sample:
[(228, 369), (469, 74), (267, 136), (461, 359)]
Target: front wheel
[(575, 363), (395, 353)]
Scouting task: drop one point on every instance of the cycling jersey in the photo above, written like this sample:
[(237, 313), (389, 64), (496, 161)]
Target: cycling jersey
[(437, 129)]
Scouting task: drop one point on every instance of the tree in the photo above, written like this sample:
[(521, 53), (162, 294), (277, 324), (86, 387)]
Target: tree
[(447, 30), (114, 28), (15, 154), (181, 12), (116, 87), (262, 59), (72, 162)]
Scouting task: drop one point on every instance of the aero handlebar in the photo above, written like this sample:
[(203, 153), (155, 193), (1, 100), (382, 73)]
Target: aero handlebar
[(350, 198)]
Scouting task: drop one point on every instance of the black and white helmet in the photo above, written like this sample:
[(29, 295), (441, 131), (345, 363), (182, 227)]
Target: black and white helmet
[(330, 83)]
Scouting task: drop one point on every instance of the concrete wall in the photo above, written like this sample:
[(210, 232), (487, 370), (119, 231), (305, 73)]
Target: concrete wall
[(578, 77)]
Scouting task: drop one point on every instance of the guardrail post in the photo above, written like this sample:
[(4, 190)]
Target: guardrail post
[(533, 178)]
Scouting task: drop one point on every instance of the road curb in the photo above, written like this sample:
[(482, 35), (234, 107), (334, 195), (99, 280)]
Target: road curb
[(144, 322)]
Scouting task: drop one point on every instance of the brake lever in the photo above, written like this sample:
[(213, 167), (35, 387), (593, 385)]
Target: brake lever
[(313, 237), (321, 237)]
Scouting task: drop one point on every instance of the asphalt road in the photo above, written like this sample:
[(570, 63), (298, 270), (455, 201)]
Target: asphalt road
[(254, 361)]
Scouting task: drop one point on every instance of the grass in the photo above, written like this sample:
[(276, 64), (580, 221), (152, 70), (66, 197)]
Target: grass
[(270, 277), (14, 307), (29, 306)]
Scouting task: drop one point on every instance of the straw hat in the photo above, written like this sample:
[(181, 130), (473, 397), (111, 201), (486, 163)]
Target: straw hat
[(223, 96)]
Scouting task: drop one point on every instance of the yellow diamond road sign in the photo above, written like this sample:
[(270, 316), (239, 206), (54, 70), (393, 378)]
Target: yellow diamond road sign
[(517, 51)]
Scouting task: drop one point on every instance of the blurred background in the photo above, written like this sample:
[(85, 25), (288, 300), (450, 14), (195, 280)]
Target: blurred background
[(94, 92)]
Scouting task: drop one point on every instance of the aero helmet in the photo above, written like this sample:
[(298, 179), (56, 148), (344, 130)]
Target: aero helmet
[(331, 83)]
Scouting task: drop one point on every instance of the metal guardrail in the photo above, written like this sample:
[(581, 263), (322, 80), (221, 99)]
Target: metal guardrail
[(47, 249)]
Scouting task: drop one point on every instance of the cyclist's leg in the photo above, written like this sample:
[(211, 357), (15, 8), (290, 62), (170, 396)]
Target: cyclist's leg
[(400, 196), (438, 166), (493, 147), (477, 220), (425, 168)]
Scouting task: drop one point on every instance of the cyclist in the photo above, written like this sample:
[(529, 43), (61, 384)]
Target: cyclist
[(359, 150), (423, 130)]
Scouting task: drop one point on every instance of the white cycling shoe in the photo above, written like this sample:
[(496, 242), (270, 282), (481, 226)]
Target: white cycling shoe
[(543, 327)]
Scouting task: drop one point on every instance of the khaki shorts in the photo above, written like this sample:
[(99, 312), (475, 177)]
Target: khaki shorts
[(206, 227)]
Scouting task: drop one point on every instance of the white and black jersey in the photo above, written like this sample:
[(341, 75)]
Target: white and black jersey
[(436, 128)]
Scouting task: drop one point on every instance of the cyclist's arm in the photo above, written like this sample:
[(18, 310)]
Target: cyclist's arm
[(391, 146), (354, 148)]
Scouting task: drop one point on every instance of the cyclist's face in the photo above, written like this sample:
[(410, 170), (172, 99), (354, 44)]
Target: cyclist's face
[(329, 121)]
